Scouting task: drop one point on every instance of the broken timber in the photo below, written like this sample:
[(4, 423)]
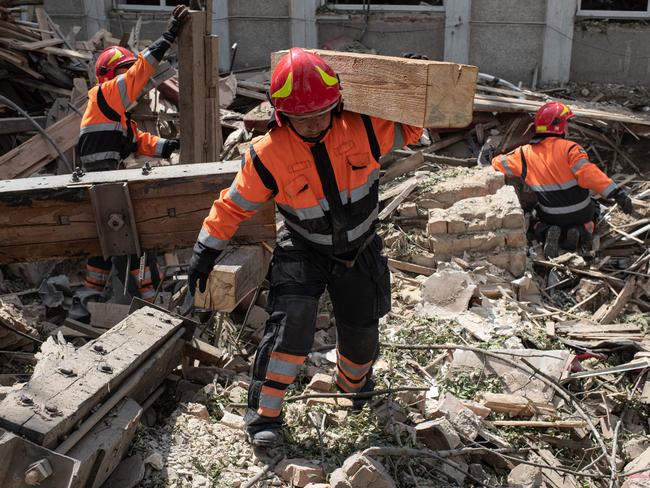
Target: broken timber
[(234, 276), (45, 217), (36, 152), (68, 383), (198, 77), (410, 91)]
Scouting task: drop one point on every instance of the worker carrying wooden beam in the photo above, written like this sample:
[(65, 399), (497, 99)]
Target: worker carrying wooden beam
[(558, 175), (321, 165), (108, 135)]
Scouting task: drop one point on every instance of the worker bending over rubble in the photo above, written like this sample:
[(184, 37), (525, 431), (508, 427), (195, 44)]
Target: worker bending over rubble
[(320, 164), (560, 175), (108, 135)]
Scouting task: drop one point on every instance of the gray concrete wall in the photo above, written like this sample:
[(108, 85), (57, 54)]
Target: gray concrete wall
[(611, 53), (507, 37), (89, 15), (258, 28), (154, 23), (387, 33)]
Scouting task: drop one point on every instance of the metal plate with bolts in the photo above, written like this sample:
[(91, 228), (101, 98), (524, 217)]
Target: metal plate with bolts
[(118, 235), (27, 464)]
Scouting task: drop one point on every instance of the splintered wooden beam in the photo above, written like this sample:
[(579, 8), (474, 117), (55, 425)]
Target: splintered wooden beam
[(235, 275), (53, 216), (36, 152), (198, 78), (410, 91), (68, 383)]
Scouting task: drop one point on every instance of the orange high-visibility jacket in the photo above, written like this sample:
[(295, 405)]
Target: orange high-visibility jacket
[(327, 192), (561, 175), (107, 131)]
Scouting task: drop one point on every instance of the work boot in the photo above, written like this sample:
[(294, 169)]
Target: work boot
[(269, 438), (359, 403), (572, 239), (552, 242), (586, 243)]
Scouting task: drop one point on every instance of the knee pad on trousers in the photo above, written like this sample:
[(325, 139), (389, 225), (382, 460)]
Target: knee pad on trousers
[(358, 343)]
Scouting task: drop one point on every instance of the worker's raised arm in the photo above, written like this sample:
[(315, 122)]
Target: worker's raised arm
[(509, 164), (392, 135), (138, 78)]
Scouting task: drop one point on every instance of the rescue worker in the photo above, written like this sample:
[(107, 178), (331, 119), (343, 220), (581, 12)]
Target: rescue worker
[(560, 174), (320, 164), (108, 135)]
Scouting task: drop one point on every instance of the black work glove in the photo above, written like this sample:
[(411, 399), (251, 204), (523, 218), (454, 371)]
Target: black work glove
[(415, 56), (201, 266), (179, 15), (169, 147), (623, 200)]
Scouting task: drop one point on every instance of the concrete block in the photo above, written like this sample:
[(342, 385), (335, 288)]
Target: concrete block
[(299, 472), (438, 434), (437, 223), (408, 210), (525, 476), (364, 472), (321, 382), (456, 227), (487, 242), (515, 239)]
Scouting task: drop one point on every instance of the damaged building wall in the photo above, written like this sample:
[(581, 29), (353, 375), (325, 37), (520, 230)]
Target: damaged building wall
[(481, 32), (611, 52), (495, 25), (88, 15), (387, 33), (258, 28)]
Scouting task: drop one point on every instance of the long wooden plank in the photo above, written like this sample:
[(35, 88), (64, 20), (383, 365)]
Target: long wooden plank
[(487, 103), (36, 152), (123, 349), (411, 91), (44, 217)]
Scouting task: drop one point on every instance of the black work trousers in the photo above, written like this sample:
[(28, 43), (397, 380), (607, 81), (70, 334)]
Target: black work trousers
[(298, 276)]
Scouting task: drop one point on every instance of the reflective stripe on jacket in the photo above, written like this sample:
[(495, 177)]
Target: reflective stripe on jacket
[(327, 192), (560, 173), (107, 131)]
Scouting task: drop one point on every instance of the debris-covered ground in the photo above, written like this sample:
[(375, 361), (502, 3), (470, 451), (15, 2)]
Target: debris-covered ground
[(499, 367)]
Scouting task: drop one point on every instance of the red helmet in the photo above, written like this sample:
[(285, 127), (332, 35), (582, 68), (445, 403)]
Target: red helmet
[(111, 59), (303, 83), (552, 118)]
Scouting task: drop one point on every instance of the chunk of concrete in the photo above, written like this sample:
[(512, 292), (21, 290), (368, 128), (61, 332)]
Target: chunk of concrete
[(525, 476), (197, 410), (365, 472), (299, 472), (437, 435), (321, 382), (449, 289)]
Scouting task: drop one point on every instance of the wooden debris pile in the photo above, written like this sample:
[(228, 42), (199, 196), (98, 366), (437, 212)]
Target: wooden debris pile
[(37, 63)]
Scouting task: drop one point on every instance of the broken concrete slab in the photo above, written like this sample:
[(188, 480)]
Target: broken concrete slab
[(554, 363), (449, 289)]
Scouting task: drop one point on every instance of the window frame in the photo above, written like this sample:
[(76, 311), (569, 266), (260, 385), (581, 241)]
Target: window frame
[(162, 7), (614, 14), (388, 7)]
